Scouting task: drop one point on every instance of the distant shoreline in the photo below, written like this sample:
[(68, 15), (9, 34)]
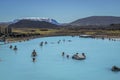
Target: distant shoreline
[(53, 35), (23, 34)]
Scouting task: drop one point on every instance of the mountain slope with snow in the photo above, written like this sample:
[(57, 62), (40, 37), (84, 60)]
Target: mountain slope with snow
[(27, 23), (52, 21)]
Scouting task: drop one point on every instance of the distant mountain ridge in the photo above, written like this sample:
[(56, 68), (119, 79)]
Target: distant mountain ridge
[(96, 20), (25, 23), (33, 22), (52, 21)]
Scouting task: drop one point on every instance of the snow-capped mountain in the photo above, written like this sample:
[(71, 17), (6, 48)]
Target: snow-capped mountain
[(53, 21)]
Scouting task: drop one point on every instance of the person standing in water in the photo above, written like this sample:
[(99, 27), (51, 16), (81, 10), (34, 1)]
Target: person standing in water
[(63, 53)]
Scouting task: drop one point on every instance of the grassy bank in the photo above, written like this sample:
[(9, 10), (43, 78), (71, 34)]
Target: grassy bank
[(30, 33)]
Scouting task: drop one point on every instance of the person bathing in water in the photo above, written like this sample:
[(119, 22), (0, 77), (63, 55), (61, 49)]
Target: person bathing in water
[(34, 54)]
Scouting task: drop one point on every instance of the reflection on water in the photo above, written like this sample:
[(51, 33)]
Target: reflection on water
[(52, 64)]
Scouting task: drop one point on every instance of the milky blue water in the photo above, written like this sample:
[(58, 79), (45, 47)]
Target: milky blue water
[(50, 65)]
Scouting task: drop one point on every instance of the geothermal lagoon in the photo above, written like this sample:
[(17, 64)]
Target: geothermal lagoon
[(101, 55)]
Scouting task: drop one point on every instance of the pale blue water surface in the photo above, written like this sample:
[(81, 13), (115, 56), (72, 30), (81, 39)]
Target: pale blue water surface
[(50, 65)]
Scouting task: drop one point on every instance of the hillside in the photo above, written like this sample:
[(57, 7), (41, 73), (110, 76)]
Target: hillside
[(96, 20), (32, 24)]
